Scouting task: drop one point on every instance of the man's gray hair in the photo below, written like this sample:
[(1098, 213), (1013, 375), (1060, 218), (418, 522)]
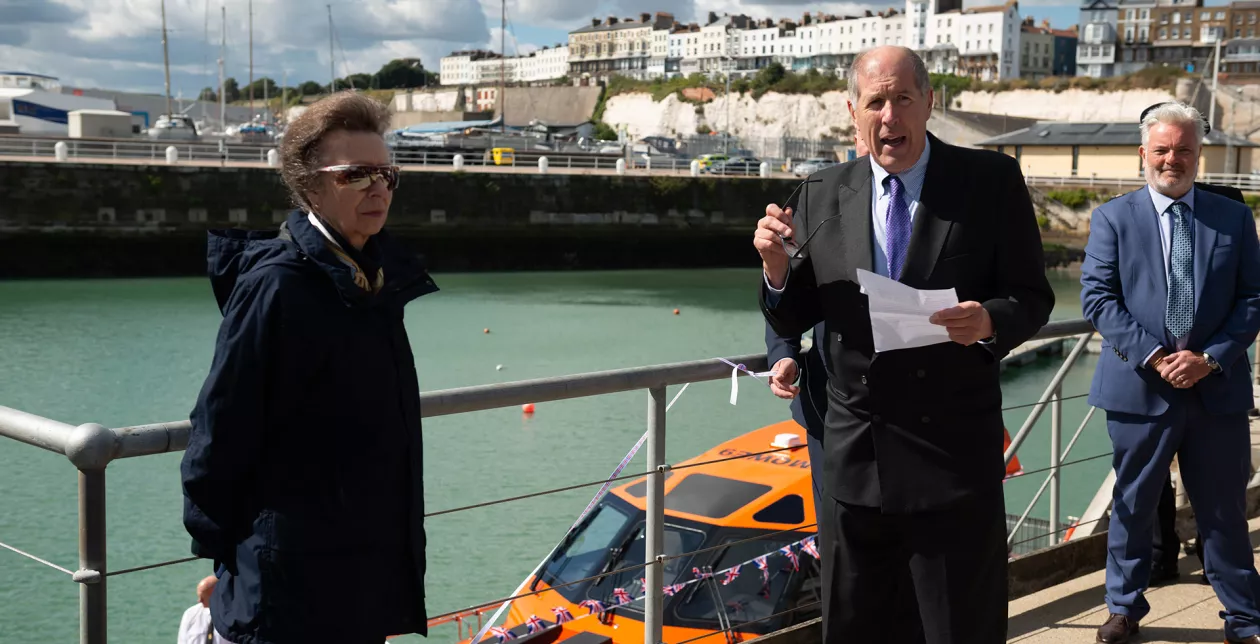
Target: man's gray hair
[(921, 78), (1175, 114)]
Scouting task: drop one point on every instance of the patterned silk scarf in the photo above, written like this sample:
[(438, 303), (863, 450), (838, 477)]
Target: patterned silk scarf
[(360, 279)]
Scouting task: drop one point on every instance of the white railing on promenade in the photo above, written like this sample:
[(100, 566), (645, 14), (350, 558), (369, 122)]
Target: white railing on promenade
[(91, 447)]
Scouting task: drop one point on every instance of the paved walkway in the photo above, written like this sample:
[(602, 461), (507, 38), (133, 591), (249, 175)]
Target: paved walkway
[(1187, 612)]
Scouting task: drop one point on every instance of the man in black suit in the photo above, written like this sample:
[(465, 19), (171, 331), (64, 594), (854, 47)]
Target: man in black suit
[(912, 465)]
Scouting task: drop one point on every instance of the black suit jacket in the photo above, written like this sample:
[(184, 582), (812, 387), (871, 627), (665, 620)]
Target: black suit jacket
[(917, 429), (1224, 191), (810, 407)]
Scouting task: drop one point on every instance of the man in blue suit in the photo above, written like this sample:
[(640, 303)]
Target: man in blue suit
[(1171, 280)]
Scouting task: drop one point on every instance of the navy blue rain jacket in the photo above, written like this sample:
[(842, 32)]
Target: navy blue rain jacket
[(303, 474)]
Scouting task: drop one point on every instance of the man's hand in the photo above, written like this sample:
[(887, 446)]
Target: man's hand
[(967, 323), (1184, 369), (774, 260), (785, 374)]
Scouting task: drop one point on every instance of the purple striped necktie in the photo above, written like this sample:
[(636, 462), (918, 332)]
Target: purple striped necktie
[(897, 228)]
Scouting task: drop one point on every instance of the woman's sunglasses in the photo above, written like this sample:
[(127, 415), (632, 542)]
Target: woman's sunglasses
[(361, 177)]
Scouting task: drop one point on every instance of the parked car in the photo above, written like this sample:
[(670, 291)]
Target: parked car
[(709, 160), (810, 166), (737, 166)]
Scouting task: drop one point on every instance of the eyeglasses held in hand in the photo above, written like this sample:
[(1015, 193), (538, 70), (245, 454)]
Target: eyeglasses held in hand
[(789, 245), (361, 177)]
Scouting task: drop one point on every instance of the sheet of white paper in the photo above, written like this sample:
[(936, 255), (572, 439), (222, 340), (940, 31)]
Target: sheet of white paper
[(899, 313)]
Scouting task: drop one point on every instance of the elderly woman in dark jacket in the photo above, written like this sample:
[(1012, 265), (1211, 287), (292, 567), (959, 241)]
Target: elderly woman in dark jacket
[(302, 479)]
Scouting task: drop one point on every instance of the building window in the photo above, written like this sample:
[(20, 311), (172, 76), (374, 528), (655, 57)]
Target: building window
[(1076, 155), (1185, 33), (1130, 14), (1206, 15), (1163, 33), (1251, 19), (1146, 15), (1019, 152), (1143, 35), (1176, 18), (1237, 32)]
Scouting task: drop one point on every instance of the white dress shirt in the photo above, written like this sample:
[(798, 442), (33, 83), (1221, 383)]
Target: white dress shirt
[(912, 180)]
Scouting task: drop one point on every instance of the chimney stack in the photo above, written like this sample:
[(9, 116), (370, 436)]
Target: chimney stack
[(595, 22), (645, 18), (1045, 23), (612, 20), (712, 18)]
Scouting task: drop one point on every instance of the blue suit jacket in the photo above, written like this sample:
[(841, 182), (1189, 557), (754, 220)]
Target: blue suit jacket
[(809, 409), (1125, 292)]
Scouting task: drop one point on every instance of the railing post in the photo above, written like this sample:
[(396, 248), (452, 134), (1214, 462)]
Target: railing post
[(1056, 444), (90, 448), (653, 602), (93, 625)]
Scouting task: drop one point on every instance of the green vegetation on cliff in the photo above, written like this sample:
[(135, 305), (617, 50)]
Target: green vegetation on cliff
[(776, 78)]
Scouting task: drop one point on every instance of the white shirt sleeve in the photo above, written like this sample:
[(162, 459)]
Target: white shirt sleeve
[(195, 625)]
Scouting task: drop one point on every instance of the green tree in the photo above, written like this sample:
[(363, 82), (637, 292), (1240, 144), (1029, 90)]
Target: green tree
[(355, 81), (262, 87), (231, 93), (604, 132), (311, 88), (208, 94), (402, 73)]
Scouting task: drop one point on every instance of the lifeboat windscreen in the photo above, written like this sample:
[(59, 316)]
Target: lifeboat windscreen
[(612, 538)]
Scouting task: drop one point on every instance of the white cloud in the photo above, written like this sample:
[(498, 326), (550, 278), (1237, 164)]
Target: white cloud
[(117, 43)]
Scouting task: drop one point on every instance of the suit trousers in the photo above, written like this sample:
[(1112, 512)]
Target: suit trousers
[(909, 628), (954, 558), (1214, 453)]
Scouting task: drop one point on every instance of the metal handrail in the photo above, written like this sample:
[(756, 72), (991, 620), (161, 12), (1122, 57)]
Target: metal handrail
[(91, 447)]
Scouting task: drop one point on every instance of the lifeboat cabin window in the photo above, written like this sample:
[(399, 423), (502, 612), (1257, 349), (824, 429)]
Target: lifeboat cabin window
[(789, 509), (748, 598), (711, 496)]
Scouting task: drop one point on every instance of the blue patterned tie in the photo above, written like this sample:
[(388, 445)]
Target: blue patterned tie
[(897, 240), (1179, 315)]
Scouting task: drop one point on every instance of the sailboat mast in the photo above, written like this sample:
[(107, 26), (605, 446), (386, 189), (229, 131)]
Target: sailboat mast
[(251, 58), (222, 79), (166, 62), (332, 75), (503, 67)]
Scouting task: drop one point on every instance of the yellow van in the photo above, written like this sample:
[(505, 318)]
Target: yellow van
[(709, 160), (504, 156)]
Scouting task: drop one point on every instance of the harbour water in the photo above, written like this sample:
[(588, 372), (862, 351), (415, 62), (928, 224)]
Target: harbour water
[(125, 352)]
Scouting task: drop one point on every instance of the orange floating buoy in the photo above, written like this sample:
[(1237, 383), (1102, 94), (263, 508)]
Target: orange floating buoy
[(675, 311), (485, 330), (528, 408)]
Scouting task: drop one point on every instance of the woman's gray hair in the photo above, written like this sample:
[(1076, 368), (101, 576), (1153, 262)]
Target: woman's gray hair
[(921, 78), (1175, 114)]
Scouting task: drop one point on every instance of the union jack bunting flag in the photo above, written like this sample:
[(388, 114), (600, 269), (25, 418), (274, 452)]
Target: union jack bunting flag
[(731, 575), (592, 606), (562, 614), (622, 596), (502, 633), (788, 552), (535, 624), (670, 591), (763, 565), (700, 574), (810, 546)]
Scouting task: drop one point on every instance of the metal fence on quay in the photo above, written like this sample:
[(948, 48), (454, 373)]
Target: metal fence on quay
[(91, 447)]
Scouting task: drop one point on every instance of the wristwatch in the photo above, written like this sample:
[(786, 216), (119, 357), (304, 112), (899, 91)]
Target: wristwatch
[(1211, 362)]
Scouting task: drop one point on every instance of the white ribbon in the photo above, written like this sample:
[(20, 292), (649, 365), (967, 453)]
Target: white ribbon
[(736, 368)]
